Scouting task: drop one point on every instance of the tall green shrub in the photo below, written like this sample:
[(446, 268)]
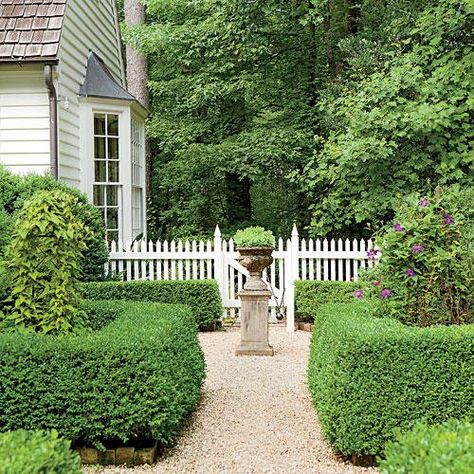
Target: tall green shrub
[(426, 272), (15, 190), (43, 262)]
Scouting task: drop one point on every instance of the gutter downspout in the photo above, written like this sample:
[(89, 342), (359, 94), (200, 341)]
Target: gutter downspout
[(53, 119)]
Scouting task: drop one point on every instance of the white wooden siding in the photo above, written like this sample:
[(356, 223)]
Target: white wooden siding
[(24, 119), (87, 26)]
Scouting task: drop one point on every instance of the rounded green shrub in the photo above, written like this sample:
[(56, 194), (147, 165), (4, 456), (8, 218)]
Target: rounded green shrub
[(426, 272), (43, 263), (15, 190), (254, 237), (37, 452), (432, 449)]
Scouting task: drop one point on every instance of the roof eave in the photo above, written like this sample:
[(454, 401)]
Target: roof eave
[(52, 60)]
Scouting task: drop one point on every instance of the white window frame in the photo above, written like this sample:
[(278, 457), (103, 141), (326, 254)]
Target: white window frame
[(88, 107), (138, 174)]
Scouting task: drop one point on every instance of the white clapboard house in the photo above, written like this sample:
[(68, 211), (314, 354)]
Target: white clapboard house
[(64, 107)]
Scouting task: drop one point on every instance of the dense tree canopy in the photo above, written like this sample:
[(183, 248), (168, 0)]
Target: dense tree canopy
[(319, 112)]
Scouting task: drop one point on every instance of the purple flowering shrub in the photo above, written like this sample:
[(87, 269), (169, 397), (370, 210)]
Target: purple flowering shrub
[(425, 275)]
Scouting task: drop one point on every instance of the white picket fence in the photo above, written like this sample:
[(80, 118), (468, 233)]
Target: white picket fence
[(294, 259)]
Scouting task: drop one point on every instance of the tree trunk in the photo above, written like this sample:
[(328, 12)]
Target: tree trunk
[(137, 73)]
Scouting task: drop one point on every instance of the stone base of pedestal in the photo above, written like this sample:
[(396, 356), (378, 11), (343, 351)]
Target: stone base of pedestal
[(254, 323), (254, 349)]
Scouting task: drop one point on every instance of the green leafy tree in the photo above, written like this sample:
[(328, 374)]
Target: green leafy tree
[(405, 125), (231, 91), (43, 263)]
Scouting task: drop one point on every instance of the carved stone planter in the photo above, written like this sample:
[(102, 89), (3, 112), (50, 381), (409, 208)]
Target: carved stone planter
[(254, 303)]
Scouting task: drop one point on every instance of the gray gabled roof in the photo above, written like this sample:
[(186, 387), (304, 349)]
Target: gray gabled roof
[(99, 82), (30, 30)]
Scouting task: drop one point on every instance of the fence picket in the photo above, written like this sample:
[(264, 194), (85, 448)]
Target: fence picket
[(340, 263), (165, 261), (325, 261), (347, 248), (187, 267)]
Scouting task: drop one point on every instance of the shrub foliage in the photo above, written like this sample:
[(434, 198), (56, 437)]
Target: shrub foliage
[(202, 296), (311, 295), (426, 272), (16, 190), (438, 449), (43, 262), (136, 379), (37, 452), (369, 375)]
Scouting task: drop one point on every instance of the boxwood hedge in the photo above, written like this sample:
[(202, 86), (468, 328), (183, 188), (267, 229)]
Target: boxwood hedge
[(438, 449), (370, 375), (37, 452), (310, 295), (134, 380), (202, 296)]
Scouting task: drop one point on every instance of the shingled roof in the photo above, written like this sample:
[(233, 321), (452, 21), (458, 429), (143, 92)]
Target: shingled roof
[(30, 30)]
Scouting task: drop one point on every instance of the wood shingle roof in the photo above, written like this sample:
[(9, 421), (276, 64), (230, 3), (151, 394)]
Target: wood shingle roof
[(30, 30)]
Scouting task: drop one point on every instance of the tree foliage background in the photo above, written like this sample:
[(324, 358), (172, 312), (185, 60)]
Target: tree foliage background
[(319, 112)]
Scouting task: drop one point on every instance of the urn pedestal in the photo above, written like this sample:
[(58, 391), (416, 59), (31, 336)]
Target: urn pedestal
[(254, 304)]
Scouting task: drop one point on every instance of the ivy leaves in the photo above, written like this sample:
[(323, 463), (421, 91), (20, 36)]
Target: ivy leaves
[(43, 264)]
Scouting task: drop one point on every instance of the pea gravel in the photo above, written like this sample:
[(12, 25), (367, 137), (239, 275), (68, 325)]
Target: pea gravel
[(255, 415)]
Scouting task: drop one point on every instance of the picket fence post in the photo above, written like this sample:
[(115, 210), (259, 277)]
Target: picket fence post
[(219, 265), (291, 276)]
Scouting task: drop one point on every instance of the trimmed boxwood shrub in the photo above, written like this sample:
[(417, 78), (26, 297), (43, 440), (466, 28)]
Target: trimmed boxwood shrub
[(437, 449), (202, 296), (134, 380), (368, 376), (310, 295), (37, 452)]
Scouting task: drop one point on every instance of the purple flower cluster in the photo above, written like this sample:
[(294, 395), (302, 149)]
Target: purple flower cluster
[(410, 272), (448, 219), (398, 227), (417, 248), (359, 294), (372, 254), (386, 293), (424, 202)]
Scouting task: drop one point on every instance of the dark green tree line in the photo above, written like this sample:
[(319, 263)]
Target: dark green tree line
[(319, 112)]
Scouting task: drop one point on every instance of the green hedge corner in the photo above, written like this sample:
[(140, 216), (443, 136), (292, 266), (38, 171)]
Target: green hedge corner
[(202, 296), (370, 376), (311, 295), (437, 449), (37, 452), (136, 379)]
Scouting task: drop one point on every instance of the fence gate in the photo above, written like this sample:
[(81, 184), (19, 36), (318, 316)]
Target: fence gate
[(294, 259)]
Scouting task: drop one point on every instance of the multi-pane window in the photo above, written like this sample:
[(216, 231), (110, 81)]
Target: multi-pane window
[(106, 171), (137, 153)]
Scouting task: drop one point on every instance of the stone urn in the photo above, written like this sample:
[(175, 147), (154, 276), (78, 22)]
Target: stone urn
[(254, 303), (255, 260)]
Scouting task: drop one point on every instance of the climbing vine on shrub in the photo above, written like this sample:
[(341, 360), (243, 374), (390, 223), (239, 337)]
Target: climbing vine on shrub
[(426, 273), (43, 263)]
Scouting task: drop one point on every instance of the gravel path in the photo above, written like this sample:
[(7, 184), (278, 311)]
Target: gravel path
[(255, 416)]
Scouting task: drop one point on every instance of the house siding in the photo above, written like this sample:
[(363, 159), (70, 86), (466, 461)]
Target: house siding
[(24, 119), (90, 25)]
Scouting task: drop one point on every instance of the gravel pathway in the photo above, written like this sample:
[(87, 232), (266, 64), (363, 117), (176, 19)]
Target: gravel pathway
[(255, 416)]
